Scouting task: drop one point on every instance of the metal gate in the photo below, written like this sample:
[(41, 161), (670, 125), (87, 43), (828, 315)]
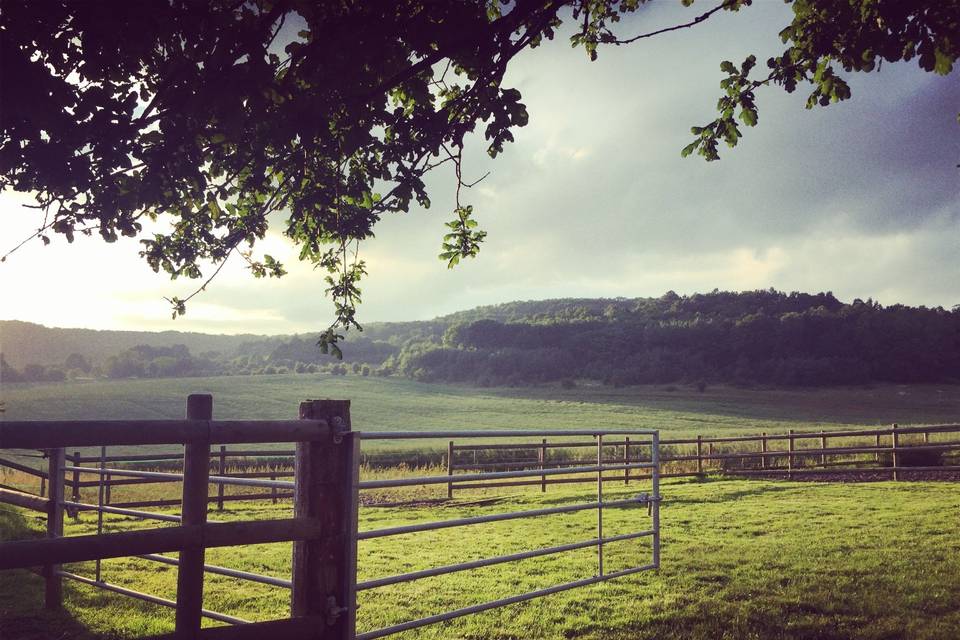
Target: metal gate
[(649, 442)]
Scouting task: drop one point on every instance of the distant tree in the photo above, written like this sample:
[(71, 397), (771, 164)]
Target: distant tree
[(124, 365), (7, 373), (78, 362), (213, 115), (33, 372)]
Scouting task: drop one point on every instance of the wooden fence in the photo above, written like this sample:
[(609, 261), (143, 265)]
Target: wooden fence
[(891, 451), (322, 532), (791, 454)]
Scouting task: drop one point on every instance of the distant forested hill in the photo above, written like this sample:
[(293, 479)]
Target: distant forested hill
[(754, 337), (23, 343)]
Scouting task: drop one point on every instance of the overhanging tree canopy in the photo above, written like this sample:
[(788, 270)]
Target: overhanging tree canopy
[(210, 116)]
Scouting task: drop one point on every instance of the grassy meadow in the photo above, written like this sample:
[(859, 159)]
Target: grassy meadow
[(741, 558), (394, 403)]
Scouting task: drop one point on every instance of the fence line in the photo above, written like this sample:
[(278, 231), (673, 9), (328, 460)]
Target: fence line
[(705, 455), (704, 451), (326, 489)]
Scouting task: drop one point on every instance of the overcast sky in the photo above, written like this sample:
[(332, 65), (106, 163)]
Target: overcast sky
[(593, 200)]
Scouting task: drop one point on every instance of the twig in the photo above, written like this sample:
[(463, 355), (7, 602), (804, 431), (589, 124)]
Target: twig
[(695, 21)]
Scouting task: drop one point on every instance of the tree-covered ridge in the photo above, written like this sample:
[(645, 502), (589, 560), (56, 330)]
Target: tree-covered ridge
[(751, 337), (755, 337)]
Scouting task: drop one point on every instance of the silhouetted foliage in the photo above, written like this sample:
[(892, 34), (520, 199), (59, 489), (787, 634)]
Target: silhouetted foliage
[(213, 115)]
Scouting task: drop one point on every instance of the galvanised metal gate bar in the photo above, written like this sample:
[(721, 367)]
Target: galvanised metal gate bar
[(652, 501)]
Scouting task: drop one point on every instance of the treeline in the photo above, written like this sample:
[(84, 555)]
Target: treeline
[(145, 361), (746, 338), (749, 338)]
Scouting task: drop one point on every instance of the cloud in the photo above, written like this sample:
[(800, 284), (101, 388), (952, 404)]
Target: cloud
[(593, 199)]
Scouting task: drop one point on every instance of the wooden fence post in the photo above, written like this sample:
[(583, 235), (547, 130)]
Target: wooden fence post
[(823, 445), (543, 460), (106, 497), (75, 493), (43, 486), (450, 468), (324, 569), (710, 452), (273, 490), (53, 591), (926, 437), (876, 455), (894, 443), (196, 479), (700, 455), (790, 455), (626, 459), (763, 450), (221, 470)]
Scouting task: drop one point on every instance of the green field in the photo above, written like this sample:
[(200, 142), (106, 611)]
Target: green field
[(741, 559), (393, 403)]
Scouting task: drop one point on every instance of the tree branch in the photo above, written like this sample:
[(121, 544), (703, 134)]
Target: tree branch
[(694, 22)]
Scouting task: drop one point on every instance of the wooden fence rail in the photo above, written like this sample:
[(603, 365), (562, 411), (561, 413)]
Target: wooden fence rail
[(324, 558)]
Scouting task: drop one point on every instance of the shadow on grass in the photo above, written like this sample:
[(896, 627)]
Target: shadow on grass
[(853, 405), (719, 493), (22, 614), (765, 488)]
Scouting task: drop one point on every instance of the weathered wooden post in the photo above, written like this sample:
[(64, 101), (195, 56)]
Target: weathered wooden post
[(763, 450), (700, 455), (325, 489), (542, 454), (710, 453), (626, 459), (823, 445), (106, 497), (53, 591), (926, 437), (894, 443), (75, 493), (876, 455), (450, 468), (43, 486), (196, 479), (221, 470), (790, 450)]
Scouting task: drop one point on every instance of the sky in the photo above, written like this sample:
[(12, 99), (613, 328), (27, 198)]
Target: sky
[(593, 200)]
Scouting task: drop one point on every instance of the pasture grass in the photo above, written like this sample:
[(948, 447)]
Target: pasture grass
[(740, 559), (389, 404)]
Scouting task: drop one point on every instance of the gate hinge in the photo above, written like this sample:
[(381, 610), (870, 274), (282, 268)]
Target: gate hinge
[(339, 428), (334, 611)]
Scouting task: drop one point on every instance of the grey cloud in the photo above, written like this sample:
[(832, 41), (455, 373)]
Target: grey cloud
[(594, 200)]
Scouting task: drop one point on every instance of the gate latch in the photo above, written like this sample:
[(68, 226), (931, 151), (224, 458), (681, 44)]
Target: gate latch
[(645, 498)]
